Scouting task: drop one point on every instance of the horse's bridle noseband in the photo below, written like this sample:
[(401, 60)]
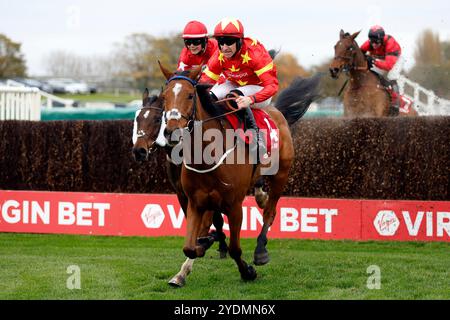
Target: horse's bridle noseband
[(152, 147), (349, 67), (174, 114)]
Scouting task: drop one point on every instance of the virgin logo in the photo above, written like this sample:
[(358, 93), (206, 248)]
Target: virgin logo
[(386, 223), (152, 216)]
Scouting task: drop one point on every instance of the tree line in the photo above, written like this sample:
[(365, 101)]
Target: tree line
[(135, 58)]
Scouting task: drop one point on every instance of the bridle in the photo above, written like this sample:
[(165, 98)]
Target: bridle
[(153, 146), (175, 114), (350, 59)]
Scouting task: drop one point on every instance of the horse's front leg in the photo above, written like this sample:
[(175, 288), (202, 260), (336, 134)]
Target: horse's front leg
[(197, 240), (235, 222)]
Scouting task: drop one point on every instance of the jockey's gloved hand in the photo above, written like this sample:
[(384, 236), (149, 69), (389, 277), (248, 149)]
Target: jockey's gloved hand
[(370, 61)]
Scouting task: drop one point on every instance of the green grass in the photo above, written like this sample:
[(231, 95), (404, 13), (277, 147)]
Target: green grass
[(34, 267), (101, 97)]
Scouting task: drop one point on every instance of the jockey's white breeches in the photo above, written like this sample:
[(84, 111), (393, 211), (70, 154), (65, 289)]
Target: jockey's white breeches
[(221, 90), (394, 73)]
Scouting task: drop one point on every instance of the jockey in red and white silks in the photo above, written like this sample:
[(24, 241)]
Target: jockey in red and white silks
[(385, 52), (385, 58)]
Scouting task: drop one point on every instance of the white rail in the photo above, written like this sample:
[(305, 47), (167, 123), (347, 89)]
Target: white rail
[(433, 104), (47, 96), (20, 103)]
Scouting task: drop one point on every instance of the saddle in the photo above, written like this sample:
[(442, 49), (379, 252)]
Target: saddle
[(266, 126), (391, 88)]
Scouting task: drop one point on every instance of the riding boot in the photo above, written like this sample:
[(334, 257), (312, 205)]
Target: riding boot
[(395, 99), (251, 124)]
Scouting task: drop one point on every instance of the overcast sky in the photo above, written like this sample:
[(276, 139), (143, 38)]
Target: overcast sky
[(307, 29)]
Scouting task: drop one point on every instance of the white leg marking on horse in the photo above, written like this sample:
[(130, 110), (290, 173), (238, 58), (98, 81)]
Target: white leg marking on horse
[(180, 277)]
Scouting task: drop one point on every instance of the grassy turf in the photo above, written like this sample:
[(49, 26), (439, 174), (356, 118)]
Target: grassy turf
[(35, 267)]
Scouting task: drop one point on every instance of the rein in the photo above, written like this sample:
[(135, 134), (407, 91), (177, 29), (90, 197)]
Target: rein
[(192, 118)]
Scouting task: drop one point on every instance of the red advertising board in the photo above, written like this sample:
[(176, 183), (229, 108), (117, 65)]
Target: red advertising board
[(161, 215)]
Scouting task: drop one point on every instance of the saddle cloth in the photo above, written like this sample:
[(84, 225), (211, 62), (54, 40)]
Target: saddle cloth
[(266, 125)]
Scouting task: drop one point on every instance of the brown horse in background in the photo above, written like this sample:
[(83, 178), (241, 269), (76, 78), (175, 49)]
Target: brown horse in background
[(366, 96), (222, 187)]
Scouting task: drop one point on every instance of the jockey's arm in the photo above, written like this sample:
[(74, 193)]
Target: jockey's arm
[(270, 87), (386, 64), (211, 74), (365, 47)]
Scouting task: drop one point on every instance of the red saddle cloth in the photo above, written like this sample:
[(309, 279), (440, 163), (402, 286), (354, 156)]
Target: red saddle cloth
[(267, 127)]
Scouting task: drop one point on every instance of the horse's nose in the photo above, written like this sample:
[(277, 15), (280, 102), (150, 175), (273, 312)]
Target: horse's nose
[(334, 72), (140, 154)]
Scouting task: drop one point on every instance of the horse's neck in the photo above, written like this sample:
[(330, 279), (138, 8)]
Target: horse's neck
[(359, 74)]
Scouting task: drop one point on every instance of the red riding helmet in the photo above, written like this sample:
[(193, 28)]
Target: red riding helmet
[(376, 34), (195, 29), (229, 27)]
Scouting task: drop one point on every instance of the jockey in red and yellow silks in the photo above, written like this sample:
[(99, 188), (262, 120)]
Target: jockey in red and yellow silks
[(251, 66), (198, 48), (245, 64), (241, 68)]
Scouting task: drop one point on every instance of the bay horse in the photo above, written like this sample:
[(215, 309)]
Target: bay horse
[(222, 187), (147, 137), (365, 96)]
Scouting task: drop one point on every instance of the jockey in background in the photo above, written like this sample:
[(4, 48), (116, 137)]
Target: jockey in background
[(247, 70), (384, 57), (198, 47)]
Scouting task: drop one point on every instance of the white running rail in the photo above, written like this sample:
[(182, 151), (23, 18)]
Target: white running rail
[(20, 103), (432, 105), (49, 98)]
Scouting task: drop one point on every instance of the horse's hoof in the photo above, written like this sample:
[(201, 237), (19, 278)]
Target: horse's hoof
[(214, 235), (223, 254), (261, 259), (250, 275), (205, 242), (177, 282)]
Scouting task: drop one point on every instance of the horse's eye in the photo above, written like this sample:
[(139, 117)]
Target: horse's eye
[(158, 120), (191, 96)]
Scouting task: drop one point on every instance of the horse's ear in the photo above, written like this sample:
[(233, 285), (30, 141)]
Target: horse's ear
[(342, 34), (165, 72), (355, 34), (145, 94), (195, 72)]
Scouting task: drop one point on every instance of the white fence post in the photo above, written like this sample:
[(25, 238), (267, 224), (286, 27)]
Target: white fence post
[(433, 105), (20, 103)]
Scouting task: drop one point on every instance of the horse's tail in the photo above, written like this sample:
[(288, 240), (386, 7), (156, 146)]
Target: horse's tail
[(273, 53), (294, 101)]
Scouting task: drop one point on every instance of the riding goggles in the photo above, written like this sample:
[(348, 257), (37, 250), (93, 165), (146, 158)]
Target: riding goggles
[(229, 41), (194, 41), (376, 40)]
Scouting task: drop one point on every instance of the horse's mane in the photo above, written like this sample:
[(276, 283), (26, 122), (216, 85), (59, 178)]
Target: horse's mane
[(212, 108), (184, 73)]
